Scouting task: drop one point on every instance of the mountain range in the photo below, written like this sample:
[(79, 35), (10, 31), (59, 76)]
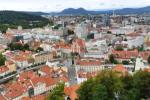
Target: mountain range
[(82, 11)]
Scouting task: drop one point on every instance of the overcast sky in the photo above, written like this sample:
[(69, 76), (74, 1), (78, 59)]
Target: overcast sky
[(58, 5)]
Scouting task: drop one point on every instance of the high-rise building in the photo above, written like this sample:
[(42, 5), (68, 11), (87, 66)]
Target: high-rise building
[(106, 20)]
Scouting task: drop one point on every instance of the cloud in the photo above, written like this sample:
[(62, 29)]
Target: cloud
[(58, 5), (102, 4)]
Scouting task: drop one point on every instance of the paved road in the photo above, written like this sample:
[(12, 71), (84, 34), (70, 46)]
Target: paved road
[(72, 75), (19, 71), (71, 72), (7, 78)]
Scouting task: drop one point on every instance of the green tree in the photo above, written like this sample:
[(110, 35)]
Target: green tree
[(70, 32), (39, 49), (142, 82), (57, 93), (111, 81), (125, 62), (26, 47), (12, 19), (148, 59), (15, 46), (99, 92), (112, 59), (141, 48), (108, 83), (18, 46), (2, 59), (125, 39), (103, 87), (90, 36), (130, 92), (109, 32), (119, 48), (85, 92)]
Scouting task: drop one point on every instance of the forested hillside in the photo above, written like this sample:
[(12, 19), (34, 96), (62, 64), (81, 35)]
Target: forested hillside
[(13, 19)]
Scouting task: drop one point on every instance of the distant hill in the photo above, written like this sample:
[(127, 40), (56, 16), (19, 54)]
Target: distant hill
[(74, 11), (13, 19), (82, 11), (133, 10), (36, 13)]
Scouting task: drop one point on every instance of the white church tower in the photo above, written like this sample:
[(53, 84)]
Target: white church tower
[(139, 64)]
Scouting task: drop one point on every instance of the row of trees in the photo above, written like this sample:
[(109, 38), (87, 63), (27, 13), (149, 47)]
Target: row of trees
[(108, 85), (18, 46), (23, 47)]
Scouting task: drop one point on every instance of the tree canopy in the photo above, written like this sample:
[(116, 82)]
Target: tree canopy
[(18, 46), (119, 48), (148, 59), (2, 59), (12, 19), (108, 85), (112, 59), (39, 49), (57, 93)]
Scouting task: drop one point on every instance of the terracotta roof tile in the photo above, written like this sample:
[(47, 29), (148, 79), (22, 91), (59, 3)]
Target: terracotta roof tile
[(3, 69), (47, 70), (38, 97), (125, 54), (88, 62), (27, 75), (2, 97), (15, 90), (71, 91), (119, 68)]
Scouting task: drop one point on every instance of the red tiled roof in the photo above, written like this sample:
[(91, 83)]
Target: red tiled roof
[(125, 54), (144, 54), (50, 81), (47, 70), (9, 62), (3, 69), (147, 69), (2, 97), (71, 91), (133, 34), (82, 74), (80, 42), (64, 79), (15, 90), (88, 62), (38, 97), (65, 46), (45, 79), (27, 75), (119, 68), (60, 71), (36, 80), (20, 58)]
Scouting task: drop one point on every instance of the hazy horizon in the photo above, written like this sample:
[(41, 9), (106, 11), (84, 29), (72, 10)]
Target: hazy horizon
[(56, 6)]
